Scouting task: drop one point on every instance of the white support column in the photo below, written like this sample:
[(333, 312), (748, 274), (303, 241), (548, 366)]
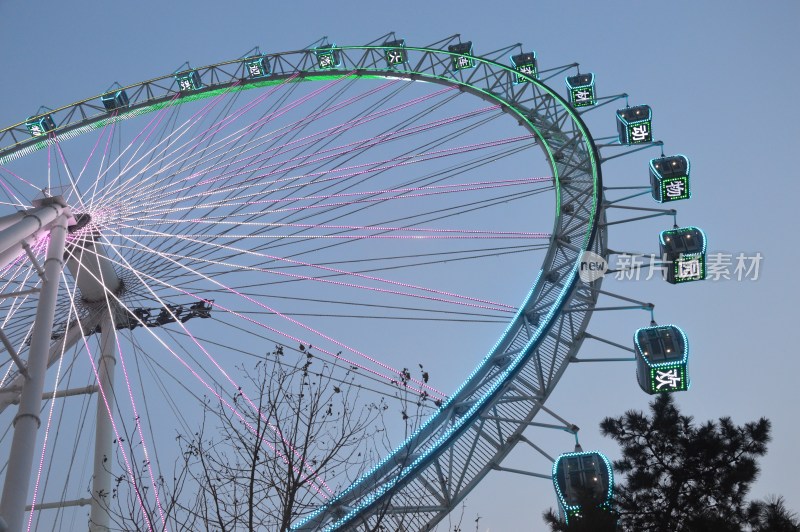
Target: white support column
[(104, 435), (27, 422), (11, 219), (29, 224)]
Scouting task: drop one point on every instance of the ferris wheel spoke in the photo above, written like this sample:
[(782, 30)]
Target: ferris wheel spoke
[(429, 231), (373, 196), (233, 291), (274, 138), (327, 136), (12, 191), (112, 130), (373, 167), (447, 212), (187, 151), (411, 156), (158, 372), (419, 114), (402, 194), (445, 257), (167, 141), (345, 150), (143, 278), (266, 119), (427, 216), (71, 182), (418, 312), (431, 257), (430, 178), (233, 251), (146, 130), (116, 348), (107, 128)]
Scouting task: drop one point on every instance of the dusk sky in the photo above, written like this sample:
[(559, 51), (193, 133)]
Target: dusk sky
[(720, 78)]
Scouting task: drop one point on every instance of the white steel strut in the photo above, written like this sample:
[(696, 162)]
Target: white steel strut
[(52, 213), (95, 278)]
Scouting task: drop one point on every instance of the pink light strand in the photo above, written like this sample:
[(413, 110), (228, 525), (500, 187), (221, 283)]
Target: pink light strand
[(139, 430), (348, 227), (310, 139), (293, 127), (66, 169), (154, 122), (379, 140), (403, 161), (161, 114), (465, 188), (218, 125), (20, 178), (96, 144), (239, 389), (229, 289), (298, 102), (106, 151), (116, 434), (498, 307)]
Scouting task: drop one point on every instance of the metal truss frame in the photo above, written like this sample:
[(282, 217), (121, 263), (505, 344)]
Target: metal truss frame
[(427, 476)]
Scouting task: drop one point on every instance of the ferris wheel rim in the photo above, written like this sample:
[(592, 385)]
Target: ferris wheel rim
[(567, 283)]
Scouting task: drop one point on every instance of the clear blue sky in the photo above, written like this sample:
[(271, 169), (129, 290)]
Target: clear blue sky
[(721, 77)]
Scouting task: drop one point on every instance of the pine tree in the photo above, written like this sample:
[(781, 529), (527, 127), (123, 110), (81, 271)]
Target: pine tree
[(679, 476)]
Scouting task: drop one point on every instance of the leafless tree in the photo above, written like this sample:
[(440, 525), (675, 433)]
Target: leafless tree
[(261, 460)]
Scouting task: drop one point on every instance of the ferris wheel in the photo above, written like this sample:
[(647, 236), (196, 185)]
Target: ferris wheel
[(421, 222)]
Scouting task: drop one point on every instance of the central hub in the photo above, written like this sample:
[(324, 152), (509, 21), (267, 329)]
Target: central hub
[(88, 262), (81, 221)]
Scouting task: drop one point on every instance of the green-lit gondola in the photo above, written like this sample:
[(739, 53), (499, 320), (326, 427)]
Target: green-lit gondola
[(662, 354), (582, 478)]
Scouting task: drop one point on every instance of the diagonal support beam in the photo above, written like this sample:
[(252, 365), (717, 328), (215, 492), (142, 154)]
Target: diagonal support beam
[(14, 355)]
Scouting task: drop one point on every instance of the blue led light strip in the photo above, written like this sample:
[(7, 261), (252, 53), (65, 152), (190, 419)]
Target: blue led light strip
[(572, 155)]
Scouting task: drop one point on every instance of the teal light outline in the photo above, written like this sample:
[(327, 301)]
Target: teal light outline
[(261, 60), (657, 175), (520, 79), (647, 119), (191, 76), (572, 276), (690, 255), (374, 72), (575, 509)]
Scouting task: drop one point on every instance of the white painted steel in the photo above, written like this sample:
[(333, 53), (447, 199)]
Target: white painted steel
[(27, 422)]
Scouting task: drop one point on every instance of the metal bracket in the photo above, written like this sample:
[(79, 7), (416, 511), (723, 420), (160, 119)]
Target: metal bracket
[(14, 355)]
